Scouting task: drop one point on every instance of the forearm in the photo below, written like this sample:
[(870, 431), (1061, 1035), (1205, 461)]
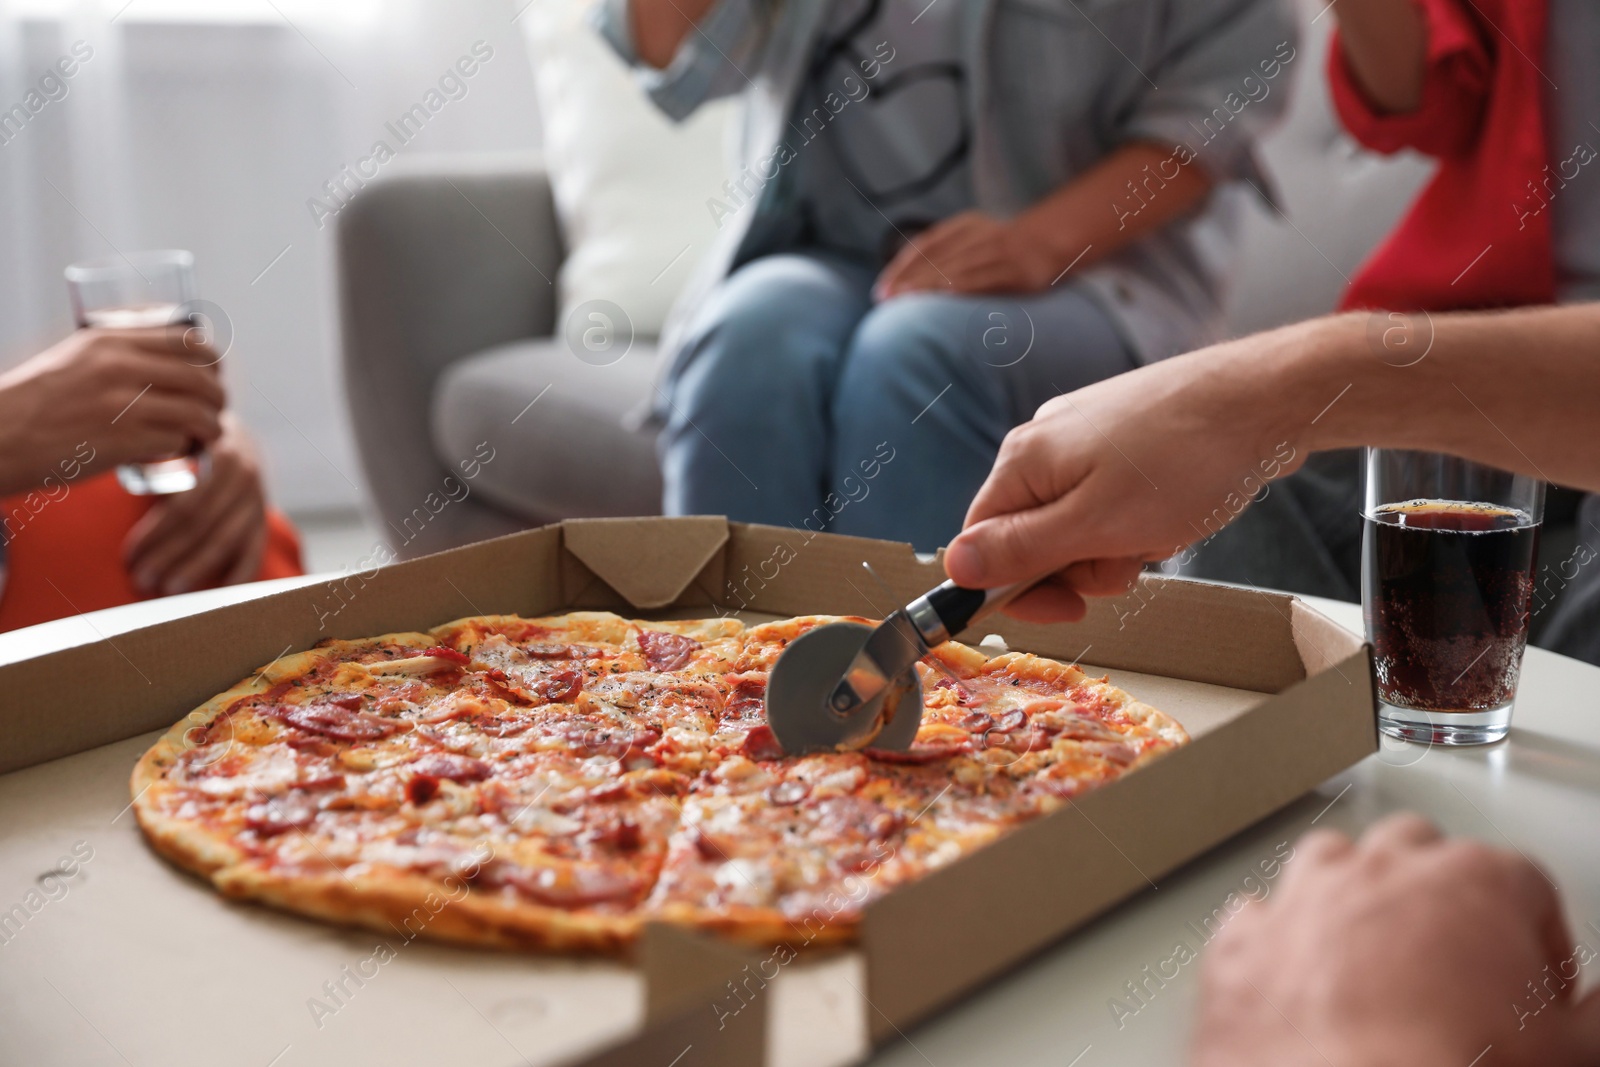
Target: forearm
[(1518, 390), (1385, 43), (659, 27), (1097, 211)]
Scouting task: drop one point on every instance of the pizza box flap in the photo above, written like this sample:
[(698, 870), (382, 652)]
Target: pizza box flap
[(1180, 628), (685, 973), (684, 968), (650, 564)]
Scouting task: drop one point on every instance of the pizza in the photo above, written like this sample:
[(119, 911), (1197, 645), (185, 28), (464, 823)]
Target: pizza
[(554, 783)]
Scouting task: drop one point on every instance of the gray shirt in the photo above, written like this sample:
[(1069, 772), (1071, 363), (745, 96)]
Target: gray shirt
[(1052, 87), (1574, 149), (881, 160)]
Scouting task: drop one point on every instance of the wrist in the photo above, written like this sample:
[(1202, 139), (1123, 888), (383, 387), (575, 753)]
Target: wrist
[(1049, 243)]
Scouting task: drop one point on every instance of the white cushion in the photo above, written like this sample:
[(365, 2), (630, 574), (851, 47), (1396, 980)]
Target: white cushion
[(1341, 199), (630, 186)]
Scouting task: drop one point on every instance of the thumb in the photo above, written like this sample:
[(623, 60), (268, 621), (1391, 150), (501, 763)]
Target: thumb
[(1013, 547)]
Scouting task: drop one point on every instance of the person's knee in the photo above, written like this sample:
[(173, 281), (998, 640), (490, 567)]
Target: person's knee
[(777, 326), (906, 339), (777, 297)]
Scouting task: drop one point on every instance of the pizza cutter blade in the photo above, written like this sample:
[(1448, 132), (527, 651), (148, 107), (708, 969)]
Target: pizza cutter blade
[(845, 685), (804, 677)]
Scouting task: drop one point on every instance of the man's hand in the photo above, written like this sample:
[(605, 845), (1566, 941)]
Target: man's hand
[(1404, 949), (1129, 469), (214, 534), (970, 253), (129, 393)]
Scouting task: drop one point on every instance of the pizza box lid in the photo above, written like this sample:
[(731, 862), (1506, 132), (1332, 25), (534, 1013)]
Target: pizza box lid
[(1276, 697)]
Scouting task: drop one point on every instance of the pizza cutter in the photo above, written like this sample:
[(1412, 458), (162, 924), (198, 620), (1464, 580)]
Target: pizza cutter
[(846, 685)]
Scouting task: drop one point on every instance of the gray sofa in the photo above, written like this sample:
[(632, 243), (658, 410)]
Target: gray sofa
[(447, 308), (448, 316)]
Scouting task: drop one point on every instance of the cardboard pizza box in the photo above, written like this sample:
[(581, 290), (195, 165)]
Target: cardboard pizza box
[(119, 957)]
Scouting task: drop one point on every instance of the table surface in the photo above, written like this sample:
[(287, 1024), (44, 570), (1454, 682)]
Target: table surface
[(1538, 792)]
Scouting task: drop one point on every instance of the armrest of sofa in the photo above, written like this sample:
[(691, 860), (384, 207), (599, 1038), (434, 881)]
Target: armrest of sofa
[(436, 262)]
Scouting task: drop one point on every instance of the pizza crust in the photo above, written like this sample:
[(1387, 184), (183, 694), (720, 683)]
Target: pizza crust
[(414, 906)]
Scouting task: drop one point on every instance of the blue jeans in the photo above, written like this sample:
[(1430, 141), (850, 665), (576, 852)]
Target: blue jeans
[(801, 403)]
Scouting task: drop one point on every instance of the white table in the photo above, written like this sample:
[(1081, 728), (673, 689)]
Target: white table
[(1538, 791)]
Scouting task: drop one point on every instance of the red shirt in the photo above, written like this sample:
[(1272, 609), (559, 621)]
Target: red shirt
[(1477, 235)]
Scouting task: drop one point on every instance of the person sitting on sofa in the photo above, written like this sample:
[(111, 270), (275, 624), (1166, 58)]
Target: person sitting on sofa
[(73, 539), (947, 213), (1511, 217)]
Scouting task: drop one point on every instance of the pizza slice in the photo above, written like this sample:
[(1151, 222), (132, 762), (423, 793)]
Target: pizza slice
[(364, 780)]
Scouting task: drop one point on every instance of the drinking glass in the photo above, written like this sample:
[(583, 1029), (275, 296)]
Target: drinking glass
[(142, 289), (1447, 563)]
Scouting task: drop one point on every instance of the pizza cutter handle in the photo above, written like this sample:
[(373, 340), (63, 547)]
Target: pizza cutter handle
[(951, 608)]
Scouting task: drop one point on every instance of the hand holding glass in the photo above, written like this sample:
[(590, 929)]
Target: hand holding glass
[(144, 290)]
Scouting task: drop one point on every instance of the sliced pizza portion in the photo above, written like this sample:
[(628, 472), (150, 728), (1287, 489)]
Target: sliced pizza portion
[(545, 854), (1044, 723), (606, 688), (793, 849), (356, 780)]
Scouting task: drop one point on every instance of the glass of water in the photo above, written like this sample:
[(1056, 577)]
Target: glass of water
[(142, 290)]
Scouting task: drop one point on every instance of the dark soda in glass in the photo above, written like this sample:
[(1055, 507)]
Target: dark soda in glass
[(1448, 591)]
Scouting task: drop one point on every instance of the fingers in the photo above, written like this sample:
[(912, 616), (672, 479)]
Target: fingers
[(909, 270), (172, 549), (1060, 597), (1103, 577), (944, 256), (216, 532), (174, 339), (136, 444), (225, 547), (1014, 547), (989, 276), (1322, 846), (894, 275), (159, 545), (1007, 520), (1049, 601), (248, 565), (1399, 832), (1315, 850), (1039, 461), (915, 275), (1542, 906), (186, 418), (968, 230), (165, 374)]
